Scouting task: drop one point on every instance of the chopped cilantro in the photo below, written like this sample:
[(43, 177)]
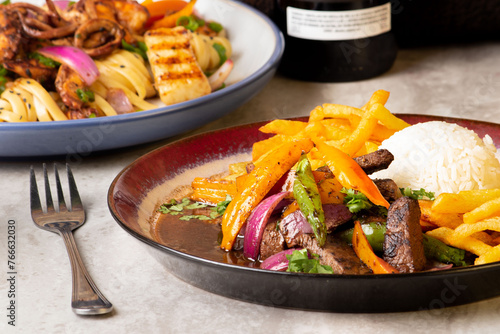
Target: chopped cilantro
[(176, 208), (196, 205), (417, 194), (141, 48), (355, 201), (222, 206), (299, 262)]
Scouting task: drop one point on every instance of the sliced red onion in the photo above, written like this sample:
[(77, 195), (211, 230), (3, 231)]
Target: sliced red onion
[(278, 261), (441, 266), (218, 77), (117, 98), (74, 58), (257, 222)]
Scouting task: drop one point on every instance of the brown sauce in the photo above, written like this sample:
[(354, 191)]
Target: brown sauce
[(195, 237)]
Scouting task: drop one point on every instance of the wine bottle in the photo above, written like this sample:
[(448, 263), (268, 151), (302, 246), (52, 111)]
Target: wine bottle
[(335, 40)]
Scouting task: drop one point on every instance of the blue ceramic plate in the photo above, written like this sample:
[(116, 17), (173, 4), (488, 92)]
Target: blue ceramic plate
[(257, 48)]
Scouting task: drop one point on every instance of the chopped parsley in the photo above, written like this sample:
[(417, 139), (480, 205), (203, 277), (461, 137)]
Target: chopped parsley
[(417, 194), (299, 262)]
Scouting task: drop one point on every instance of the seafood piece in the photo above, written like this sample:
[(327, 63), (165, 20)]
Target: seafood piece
[(31, 68), (68, 83), (10, 35)]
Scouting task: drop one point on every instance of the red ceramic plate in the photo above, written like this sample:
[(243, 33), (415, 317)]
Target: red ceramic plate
[(140, 187)]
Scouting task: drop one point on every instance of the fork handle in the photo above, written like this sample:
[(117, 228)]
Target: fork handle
[(86, 297)]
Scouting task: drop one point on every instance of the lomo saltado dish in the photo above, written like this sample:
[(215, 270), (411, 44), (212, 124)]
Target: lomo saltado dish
[(350, 191)]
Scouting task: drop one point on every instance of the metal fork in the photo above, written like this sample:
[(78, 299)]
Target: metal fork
[(86, 297)]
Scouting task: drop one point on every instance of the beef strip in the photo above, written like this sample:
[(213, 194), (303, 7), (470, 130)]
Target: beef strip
[(295, 224), (336, 253), (336, 215), (388, 188), (375, 161), (403, 241), (272, 241)]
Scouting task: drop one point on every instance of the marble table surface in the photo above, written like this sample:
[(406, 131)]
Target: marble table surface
[(459, 81)]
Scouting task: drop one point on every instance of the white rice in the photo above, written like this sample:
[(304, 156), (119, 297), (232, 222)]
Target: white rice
[(441, 157)]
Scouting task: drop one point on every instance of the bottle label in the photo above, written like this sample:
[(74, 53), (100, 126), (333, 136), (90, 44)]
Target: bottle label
[(338, 25)]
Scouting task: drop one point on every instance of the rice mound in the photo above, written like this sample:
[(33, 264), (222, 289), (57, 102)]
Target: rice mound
[(441, 157)]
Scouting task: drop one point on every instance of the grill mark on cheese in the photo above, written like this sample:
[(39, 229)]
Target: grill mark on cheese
[(175, 45), (177, 59), (194, 74)]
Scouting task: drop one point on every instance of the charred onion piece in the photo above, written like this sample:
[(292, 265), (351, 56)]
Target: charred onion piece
[(114, 36)]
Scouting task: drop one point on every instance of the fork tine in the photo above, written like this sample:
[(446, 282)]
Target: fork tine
[(48, 194), (60, 195), (76, 202), (34, 197)]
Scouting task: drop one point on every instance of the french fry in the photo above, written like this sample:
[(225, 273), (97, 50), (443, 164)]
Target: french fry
[(485, 210), (493, 255), (464, 201), (380, 96), (470, 244), (283, 127), (389, 120), (466, 229), (331, 110), (317, 114), (449, 220), (362, 132)]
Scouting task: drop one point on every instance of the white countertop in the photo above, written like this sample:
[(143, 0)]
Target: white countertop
[(458, 81)]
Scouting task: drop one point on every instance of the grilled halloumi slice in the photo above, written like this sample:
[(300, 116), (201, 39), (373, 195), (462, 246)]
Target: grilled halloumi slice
[(178, 77)]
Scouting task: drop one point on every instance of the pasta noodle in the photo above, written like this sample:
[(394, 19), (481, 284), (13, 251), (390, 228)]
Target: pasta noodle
[(208, 58), (26, 100)]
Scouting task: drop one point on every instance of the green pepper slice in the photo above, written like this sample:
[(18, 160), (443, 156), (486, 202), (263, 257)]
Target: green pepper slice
[(307, 196)]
